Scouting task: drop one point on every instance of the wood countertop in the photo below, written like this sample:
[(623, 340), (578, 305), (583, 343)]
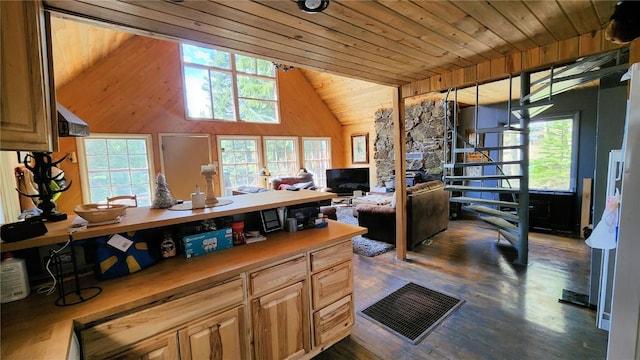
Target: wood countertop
[(145, 217), (34, 328)]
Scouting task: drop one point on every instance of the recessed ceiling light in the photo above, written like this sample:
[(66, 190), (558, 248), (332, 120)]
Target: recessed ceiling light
[(313, 6)]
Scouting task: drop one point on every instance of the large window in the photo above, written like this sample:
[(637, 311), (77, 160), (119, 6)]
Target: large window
[(316, 157), (220, 85), (241, 159), (281, 155), (240, 162), (115, 165), (552, 154)]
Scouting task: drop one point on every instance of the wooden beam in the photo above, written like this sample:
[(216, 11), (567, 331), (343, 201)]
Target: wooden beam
[(399, 136)]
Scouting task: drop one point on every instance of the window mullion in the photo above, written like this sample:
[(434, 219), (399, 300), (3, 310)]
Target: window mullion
[(234, 84)]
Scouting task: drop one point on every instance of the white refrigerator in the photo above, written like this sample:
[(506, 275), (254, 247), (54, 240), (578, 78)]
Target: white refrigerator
[(624, 334)]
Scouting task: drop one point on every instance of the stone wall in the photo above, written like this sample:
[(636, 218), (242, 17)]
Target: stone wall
[(425, 134)]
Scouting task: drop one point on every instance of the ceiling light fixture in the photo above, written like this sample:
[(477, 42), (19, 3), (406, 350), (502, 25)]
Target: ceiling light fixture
[(312, 6), (283, 67)]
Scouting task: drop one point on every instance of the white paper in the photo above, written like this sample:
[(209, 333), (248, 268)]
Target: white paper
[(120, 242)]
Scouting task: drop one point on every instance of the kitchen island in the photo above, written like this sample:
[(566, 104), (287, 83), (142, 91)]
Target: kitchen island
[(245, 297)]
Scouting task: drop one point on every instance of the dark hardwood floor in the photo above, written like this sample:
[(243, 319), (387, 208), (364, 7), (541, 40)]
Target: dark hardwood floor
[(510, 312)]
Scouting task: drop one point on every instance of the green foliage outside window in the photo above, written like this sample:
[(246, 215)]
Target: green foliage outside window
[(550, 155), (215, 82)]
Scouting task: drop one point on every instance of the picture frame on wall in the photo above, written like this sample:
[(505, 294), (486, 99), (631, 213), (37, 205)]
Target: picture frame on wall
[(360, 148)]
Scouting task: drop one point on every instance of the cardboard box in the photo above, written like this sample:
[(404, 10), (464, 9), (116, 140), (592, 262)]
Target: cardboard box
[(207, 242)]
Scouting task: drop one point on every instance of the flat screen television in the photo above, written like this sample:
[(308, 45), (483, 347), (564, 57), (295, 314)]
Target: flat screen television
[(345, 181)]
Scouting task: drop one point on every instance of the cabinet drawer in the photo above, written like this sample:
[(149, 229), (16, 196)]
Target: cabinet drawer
[(332, 284), (333, 321), (110, 336), (330, 256), (276, 276)]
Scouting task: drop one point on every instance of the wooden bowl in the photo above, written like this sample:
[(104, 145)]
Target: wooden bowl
[(96, 213)]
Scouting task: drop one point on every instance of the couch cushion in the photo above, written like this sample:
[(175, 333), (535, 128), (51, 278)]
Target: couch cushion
[(425, 186)]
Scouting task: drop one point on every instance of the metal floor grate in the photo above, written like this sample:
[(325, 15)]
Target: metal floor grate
[(412, 311)]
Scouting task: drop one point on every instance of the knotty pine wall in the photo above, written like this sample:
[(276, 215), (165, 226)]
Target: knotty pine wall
[(138, 89)]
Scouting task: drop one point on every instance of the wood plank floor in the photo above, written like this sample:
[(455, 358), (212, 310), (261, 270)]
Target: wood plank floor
[(509, 313)]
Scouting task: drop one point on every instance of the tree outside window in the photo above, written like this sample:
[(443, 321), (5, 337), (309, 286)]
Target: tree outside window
[(551, 154), (220, 85)]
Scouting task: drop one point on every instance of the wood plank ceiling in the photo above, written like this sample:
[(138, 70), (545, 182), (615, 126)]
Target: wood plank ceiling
[(388, 42)]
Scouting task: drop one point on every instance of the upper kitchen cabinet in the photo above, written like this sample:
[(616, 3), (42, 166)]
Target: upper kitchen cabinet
[(28, 112)]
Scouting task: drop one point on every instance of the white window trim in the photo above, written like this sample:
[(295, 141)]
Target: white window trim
[(82, 160), (317, 138), (234, 85), (220, 138), (296, 148), (575, 147)]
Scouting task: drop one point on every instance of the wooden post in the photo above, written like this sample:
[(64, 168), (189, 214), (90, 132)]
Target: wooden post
[(585, 214), (399, 136)]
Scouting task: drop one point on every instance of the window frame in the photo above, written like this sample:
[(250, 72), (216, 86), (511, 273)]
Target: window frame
[(82, 160), (296, 151), (575, 148), (220, 138), (234, 85), (318, 177)]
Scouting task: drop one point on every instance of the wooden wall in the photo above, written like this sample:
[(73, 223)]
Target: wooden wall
[(138, 89), (360, 128)]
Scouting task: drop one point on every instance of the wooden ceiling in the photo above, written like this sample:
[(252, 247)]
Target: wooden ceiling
[(388, 42)]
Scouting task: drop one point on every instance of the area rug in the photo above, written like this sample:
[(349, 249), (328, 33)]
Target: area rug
[(412, 311), (361, 245)]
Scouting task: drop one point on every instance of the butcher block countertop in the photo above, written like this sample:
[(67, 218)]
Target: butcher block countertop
[(35, 328)]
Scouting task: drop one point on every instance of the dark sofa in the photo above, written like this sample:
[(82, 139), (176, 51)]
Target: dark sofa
[(427, 215)]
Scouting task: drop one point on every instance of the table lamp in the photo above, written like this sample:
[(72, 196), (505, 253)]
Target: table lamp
[(209, 171)]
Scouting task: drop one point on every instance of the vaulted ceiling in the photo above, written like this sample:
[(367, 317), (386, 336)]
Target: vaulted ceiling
[(371, 46)]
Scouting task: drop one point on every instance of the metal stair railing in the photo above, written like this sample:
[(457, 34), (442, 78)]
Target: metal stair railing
[(508, 224)]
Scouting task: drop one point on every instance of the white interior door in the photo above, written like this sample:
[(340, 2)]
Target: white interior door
[(181, 157)]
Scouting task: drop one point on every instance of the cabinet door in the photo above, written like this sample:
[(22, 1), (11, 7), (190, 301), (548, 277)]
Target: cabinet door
[(331, 284), (281, 324), (162, 347), (27, 97), (333, 322), (219, 337)]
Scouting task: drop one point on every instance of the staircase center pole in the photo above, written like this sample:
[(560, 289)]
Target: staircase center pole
[(523, 194)]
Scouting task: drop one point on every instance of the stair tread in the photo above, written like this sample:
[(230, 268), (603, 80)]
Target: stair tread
[(501, 223), (487, 148), (481, 188), (472, 200), (482, 177), (491, 211), (513, 239), (499, 129), (488, 163)]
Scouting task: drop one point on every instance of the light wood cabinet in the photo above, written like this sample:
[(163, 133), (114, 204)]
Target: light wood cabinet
[(334, 321), (332, 293), (332, 284), (161, 347), (219, 337), (280, 323), (118, 338), (28, 119)]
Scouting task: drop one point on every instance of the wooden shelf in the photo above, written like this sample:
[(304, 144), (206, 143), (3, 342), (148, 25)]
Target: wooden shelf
[(146, 218)]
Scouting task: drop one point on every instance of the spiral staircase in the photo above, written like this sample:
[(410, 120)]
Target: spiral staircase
[(474, 173)]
